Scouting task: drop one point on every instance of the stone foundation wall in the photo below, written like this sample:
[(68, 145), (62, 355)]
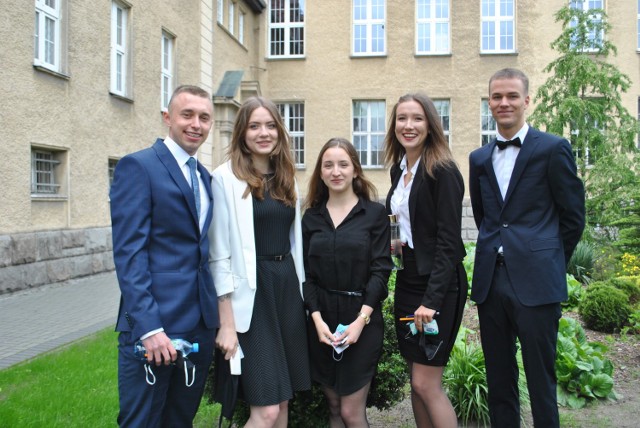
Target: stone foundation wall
[(36, 258)]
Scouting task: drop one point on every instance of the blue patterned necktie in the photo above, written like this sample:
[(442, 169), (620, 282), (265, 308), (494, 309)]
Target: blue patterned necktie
[(195, 185)]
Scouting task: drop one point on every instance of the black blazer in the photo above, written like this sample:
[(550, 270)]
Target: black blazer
[(435, 209), (538, 223)]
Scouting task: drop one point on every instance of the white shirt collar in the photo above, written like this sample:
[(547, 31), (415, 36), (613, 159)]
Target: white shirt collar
[(178, 152), (520, 134), (403, 165)]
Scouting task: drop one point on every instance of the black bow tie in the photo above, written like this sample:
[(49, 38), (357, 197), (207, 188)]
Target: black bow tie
[(504, 144)]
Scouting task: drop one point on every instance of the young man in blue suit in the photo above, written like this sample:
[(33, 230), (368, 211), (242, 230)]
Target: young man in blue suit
[(161, 209), (528, 205)]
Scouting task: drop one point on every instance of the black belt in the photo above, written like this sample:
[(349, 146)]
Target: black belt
[(279, 258), (500, 259), (346, 293)]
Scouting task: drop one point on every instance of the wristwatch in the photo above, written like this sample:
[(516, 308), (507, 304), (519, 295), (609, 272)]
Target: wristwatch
[(365, 317)]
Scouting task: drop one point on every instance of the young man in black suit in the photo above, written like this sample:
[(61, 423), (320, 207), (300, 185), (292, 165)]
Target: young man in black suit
[(528, 205)]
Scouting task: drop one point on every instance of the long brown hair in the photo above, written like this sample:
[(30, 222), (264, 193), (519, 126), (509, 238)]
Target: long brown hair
[(318, 191), (282, 185), (435, 148)]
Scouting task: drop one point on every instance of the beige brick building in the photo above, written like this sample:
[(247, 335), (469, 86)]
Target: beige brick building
[(84, 83)]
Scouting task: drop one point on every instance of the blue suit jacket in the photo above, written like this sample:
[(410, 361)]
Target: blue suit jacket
[(161, 256), (538, 223)]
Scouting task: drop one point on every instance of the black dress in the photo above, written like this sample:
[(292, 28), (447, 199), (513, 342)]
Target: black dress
[(275, 363), (354, 257)]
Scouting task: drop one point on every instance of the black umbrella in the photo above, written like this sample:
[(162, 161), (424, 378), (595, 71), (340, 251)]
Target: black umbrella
[(225, 387)]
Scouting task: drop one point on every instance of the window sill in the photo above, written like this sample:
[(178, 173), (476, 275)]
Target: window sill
[(47, 70), (286, 57), (436, 54), (121, 97), (233, 36), (42, 197), (367, 56), (505, 53)]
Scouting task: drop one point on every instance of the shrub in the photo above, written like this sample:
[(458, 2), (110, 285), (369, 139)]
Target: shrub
[(465, 380), (630, 285), (583, 373), (630, 264), (604, 308), (582, 261), (574, 292), (634, 323)]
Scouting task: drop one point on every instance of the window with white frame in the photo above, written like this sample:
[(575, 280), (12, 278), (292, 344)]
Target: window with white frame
[(498, 26), (111, 168), (443, 107), (369, 27), (167, 73), (488, 128), (119, 49), (47, 44), (47, 175), (293, 117), (241, 27), (432, 26), (232, 17), (221, 12), (369, 132), (286, 28), (595, 37)]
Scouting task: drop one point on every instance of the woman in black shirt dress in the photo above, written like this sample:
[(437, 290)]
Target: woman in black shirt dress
[(347, 264)]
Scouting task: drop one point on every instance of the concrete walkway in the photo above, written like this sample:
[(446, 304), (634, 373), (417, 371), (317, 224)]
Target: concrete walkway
[(41, 319)]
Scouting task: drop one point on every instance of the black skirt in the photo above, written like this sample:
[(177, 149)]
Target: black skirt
[(410, 288)]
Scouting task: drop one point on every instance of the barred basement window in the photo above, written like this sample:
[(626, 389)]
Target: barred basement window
[(43, 177)]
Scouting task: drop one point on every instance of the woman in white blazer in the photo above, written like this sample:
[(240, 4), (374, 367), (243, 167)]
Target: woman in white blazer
[(257, 266)]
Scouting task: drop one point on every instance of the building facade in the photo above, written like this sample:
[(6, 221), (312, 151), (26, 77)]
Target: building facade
[(85, 84)]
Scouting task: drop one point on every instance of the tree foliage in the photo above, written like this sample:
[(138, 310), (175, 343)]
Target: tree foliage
[(582, 100), (582, 97)]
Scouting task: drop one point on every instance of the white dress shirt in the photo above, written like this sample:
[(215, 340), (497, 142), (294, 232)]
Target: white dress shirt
[(400, 202), (182, 157), (504, 160)]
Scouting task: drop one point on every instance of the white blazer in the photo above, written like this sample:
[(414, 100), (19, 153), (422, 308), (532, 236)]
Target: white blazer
[(232, 249)]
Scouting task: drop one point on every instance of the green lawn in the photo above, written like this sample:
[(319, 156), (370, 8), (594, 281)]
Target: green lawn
[(74, 386)]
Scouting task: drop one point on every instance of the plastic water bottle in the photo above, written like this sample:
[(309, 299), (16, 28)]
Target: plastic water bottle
[(396, 243), (180, 345)]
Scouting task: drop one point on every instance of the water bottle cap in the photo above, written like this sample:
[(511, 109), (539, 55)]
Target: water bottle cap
[(195, 347), (393, 218)]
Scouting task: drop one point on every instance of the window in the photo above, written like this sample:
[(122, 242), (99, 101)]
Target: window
[(167, 72), (595, 34), (498, 25), (368, 27), (241, 27), (47, 175), (444, 111), (47, 40), (220, 12), (293, 117), (286, 28), (111, 169), (119, 50), (369, 131), (432, 27), (232, 16), (488, 129)]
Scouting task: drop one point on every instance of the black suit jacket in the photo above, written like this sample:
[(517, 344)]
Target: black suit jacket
[(538, 223), (435, 209)]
